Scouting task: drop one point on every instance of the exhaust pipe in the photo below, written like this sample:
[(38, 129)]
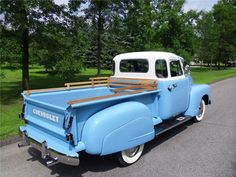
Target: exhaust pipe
[(20, 145)]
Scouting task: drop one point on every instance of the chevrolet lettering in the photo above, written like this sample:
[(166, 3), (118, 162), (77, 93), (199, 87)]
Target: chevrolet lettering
[(45, 115)]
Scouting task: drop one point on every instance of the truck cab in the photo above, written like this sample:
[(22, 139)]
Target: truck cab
[(174, 81), (149, 93)]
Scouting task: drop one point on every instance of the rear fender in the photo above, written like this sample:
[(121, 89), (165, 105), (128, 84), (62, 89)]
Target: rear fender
[(118, 127), (198, 92)]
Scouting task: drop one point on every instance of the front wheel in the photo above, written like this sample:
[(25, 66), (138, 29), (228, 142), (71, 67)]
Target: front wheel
[(130, 156), (201, 111)]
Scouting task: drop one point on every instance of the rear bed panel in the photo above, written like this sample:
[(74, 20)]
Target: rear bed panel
[(52, 142), (46, 118)]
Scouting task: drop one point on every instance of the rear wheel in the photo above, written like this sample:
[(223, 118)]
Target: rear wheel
[(201, 111), (130, 156)]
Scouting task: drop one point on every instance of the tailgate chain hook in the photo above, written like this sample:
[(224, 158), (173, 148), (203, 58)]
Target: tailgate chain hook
[(69, 123)]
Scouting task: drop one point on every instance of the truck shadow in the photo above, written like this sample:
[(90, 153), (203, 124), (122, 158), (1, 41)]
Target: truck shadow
[(234, 168), (92, 163)]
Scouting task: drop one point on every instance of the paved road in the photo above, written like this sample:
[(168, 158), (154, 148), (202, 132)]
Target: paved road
[(205, 149)]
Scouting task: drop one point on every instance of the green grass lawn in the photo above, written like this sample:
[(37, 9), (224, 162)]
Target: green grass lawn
[(11, 101), (205, 75)]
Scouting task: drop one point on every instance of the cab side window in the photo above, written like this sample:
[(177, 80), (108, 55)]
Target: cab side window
[(175, 68), (161, 69)]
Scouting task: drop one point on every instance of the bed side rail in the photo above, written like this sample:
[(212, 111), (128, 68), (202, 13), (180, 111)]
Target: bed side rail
[(94, 82), (122, 86)]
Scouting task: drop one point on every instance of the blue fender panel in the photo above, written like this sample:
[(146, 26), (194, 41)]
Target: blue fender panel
[(117, 128), (197, 92), (129, 135)]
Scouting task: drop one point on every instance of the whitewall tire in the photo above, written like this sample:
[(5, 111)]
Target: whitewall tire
[(201, 111), (130, 156)]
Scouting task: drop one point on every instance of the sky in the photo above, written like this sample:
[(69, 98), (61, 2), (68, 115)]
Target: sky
[(199, 5), (189, 4)]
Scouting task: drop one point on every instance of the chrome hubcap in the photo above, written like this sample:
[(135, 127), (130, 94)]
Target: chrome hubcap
[(200, 110), (132, 151)]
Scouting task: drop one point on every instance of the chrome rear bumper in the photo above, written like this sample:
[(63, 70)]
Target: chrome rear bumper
[(49, 155)]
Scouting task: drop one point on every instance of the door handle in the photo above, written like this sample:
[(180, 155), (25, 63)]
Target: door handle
[(171, 87), (174, 85)]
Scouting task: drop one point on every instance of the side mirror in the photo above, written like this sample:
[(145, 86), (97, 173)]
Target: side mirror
[(187, 69)]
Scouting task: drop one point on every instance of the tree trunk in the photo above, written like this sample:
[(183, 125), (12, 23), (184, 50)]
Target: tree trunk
[(99, 31), (24, 42), (218, 67), (25, 58)]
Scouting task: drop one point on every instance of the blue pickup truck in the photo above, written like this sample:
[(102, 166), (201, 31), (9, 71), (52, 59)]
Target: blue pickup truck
[(149, 93)]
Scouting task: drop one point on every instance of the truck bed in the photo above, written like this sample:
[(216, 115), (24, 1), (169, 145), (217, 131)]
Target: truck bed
[(100, 88), (60, 98)]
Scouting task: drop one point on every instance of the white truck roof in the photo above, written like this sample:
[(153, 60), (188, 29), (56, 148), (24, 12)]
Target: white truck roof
[(150, 56), (146, 55)]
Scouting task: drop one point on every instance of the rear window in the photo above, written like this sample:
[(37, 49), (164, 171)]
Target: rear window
[(134, 65)]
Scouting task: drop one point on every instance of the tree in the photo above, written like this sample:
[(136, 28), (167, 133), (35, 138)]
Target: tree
[(208, 37), (224, 13), (15, 16), (9, 50), (217, 31), (26, 21), (96, 13), (159, 25), (175, 29), (139, 24)]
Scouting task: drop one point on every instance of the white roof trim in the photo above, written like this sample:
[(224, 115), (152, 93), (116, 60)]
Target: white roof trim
[(145, 55), (150, 56)]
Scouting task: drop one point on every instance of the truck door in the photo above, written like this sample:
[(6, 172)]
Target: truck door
[(178, 87)]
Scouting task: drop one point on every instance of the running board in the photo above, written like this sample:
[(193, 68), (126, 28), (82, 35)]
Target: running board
[(167, 125)]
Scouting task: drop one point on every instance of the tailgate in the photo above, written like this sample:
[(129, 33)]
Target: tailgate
[(45, 123), (45, 117)]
